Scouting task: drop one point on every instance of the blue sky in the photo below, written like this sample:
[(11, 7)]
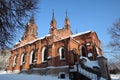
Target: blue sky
[(96, 15)]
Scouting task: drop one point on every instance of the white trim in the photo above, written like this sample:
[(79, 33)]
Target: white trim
[(22, 56), (43, 50), (16, 71), (97, 50), (49, 57), (88, 44), (31, 56), (51, 67), (24, 70), (14, 60), (9, 71), (60, 53)]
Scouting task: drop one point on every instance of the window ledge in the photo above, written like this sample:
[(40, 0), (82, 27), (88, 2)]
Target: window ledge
[(62, 59), (35, 60), (44, 61)]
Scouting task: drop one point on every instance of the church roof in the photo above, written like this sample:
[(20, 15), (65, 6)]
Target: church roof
[(72, 37)]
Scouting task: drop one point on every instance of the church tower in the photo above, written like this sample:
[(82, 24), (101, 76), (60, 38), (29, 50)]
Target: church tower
[(30, 31), (53, 24), (67, 22)]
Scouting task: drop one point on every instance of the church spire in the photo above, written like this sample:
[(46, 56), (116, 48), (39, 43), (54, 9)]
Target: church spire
[(32, 19), (66, 16), (31, 30), (53, 18), (53, 24), (53, 21), (67, 21)]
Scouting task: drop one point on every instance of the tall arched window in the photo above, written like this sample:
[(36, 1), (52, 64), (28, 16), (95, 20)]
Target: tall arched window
[(62, 53), (22, 59), (14, 60), (83, 51), (44, 54), (32, 57)]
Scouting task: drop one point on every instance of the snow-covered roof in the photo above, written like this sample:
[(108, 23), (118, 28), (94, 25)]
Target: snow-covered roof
[(32, 41), (81, 33), (72, 36)]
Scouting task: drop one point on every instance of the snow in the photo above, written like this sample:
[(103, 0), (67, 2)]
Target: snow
[(90, 54), (89, 63), (72, 36), (32, 41), (115, 76), (26, 77), (92, 63), (5, 76), (81, 33), (90, 75), (50, 67)]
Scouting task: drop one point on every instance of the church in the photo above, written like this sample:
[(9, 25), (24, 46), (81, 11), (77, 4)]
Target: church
[(60, 53)]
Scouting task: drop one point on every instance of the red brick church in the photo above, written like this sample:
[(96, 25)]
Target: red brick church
[(60, 53)]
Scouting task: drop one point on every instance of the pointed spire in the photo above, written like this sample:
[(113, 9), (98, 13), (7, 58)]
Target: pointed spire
[(53, 18), (32, 19), (67, 21), (53, 21), (53, 24), (66, 16)]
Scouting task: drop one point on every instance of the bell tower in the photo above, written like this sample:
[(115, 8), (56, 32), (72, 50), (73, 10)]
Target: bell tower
[(30, 30)]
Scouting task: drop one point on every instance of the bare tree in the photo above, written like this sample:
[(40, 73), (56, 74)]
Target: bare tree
[(114, 31), (13, 14)]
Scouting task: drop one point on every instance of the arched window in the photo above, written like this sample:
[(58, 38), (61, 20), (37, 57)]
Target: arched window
[(14, 60), (32, 57), (62, 53), (22, 59), (83, 51), (44, 54)]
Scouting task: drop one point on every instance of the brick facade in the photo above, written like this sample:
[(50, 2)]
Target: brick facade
[(59, 48)]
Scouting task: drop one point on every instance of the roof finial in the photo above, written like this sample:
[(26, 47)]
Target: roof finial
[(53, 18), (32, 19), (66, 15)]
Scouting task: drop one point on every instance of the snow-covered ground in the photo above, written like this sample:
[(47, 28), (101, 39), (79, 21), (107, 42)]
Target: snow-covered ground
[(115, 76), (6, 76)]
